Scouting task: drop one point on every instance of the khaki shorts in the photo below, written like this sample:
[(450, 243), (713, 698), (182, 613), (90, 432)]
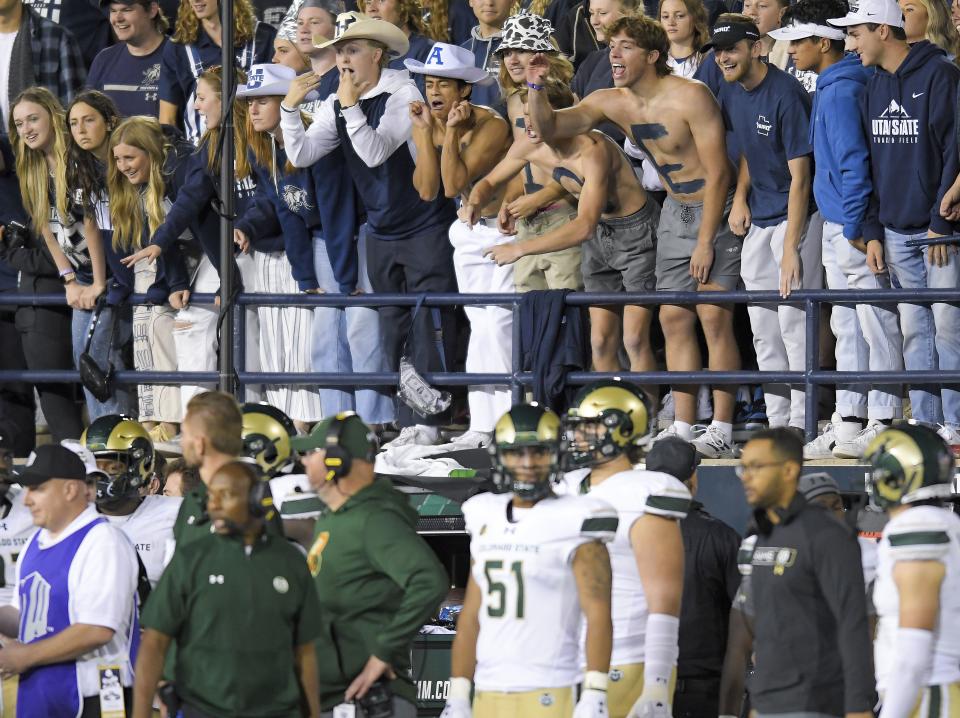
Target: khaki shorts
[(545, 703), (553, 270), (626, 685)]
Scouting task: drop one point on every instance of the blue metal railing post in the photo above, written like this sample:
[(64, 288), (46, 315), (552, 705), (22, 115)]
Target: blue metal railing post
[(516, 386), (811, 388), (240, 347)]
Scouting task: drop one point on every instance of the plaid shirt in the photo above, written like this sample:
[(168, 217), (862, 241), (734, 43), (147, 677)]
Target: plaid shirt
[(57, 62)]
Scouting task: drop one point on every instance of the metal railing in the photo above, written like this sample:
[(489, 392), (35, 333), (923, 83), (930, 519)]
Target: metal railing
[(812, 376)]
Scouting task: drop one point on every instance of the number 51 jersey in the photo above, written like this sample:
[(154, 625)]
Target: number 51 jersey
[(530, 610)]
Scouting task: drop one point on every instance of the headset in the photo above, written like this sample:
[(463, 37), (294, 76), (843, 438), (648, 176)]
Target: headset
[(260, 498), (337, 459)]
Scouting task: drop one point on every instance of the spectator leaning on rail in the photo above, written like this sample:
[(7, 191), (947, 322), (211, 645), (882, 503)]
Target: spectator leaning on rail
[(243, 610), (407, 249), (377, 580), (909, 107), (74, 605), (129, 72), (868, 335)]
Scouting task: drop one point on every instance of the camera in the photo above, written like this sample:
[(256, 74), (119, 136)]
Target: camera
[(378, 701), (15, 235)]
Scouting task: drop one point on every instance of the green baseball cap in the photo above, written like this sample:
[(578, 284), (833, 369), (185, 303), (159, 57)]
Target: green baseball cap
[(355, 437)]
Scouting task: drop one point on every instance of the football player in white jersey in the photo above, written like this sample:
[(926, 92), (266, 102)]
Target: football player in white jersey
[(607, 417), (266, 439), (538, 563), (16, 523), (917, 590), (124, 453)]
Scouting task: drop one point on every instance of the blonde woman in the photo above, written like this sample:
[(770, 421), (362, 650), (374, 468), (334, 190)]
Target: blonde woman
[(39, 137), (925, 20), (146, 169), (686, 24), (195, 47)]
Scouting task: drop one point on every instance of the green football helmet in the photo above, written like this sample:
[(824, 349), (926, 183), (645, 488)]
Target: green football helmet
[(120, 439), (266, 437), (527, 428), (909, 463), (616, 405)]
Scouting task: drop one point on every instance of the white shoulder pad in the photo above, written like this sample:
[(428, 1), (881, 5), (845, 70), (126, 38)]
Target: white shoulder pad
[(570, 483), (596, 519), (646, 492), (294, 497), (477, 509), (921, 533)]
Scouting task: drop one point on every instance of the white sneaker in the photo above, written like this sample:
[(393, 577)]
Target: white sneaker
[(822, 446), (854, 448), (713, 444), (473, 439), (950, 434), (669, 431), (414, 435)]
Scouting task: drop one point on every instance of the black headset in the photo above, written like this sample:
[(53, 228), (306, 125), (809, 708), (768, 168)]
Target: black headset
[(337, 459), (260, 498)]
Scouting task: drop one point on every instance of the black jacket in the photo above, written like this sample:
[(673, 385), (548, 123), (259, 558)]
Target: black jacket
[(811, 637), (710, 582)]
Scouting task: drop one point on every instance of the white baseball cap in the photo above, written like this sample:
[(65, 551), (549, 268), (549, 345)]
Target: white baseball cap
[(877, 12), (803, 30), (450, 61), (270, 80)]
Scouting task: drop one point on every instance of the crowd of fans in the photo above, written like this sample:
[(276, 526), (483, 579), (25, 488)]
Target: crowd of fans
[(451, 146)]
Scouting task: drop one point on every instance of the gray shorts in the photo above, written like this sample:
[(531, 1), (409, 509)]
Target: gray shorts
[(677, 238), (621, 257)]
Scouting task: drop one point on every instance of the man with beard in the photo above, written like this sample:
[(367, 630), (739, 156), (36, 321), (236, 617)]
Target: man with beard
[(242, 607)]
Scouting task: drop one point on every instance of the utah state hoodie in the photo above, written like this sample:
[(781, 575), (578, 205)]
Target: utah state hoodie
[(909, 121), (841, 183)]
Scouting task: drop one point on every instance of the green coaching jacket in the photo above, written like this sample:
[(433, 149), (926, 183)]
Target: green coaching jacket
[(377, 582)]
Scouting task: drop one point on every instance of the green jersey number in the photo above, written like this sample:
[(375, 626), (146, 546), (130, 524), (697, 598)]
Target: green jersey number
[(497, 599)]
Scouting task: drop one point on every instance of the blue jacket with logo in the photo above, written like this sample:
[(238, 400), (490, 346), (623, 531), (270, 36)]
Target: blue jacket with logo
[(909, 118), (841, 183)]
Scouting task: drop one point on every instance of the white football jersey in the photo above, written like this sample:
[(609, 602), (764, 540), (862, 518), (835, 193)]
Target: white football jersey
[(149, 528), (633, 493), (16, 528), (294, 497), (921, 533), (530, 611)]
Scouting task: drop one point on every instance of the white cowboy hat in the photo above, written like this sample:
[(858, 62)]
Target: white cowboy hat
[(270, 80), (356, 26), (447, 60)]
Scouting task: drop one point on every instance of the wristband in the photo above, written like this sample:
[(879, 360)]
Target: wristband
[(460, 688), (534, 86), (65, 272), (595, 681)]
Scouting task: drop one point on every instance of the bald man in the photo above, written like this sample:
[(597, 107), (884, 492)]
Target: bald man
[(251, 608)]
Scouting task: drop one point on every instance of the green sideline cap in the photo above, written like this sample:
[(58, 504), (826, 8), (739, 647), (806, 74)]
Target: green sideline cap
[(355, 437)]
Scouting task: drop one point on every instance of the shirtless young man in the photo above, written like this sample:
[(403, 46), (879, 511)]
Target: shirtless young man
[(457, 143), (615, 222), (677, 123)]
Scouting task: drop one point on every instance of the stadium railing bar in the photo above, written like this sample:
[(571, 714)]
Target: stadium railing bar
[(811, 376)]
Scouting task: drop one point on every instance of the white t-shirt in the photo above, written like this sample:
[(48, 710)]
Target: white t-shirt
[(6, 51), (149, 528), (102, 582), (16, 529)]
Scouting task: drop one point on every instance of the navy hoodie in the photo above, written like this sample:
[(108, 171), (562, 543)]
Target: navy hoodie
[(486, 92), (841, 182), (909, 118)]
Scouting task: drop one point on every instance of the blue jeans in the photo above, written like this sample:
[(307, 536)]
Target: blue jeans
[(931, 335), (348, 340), (122, 402)]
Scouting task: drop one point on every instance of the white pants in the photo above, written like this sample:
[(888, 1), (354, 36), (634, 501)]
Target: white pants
[(251, 344), (286, 338), (779, 332), (153, 350), (195, 332), (491, 327), (868, 336)]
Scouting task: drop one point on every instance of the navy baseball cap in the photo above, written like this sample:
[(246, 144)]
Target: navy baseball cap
[(51, 461), (727, 34), (672, 455)]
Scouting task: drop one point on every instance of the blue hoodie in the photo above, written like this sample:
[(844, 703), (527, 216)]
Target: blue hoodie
[(909, 118), (841, 182), (487, 92)]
